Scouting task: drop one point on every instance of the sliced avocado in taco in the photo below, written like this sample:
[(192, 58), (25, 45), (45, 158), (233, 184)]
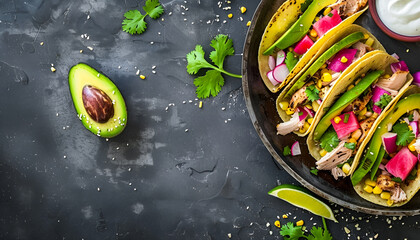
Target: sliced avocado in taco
[(300, 31), (353, 110), (304, 96), (389, 171)]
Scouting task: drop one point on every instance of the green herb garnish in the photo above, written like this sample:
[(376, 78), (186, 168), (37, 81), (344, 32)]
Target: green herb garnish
[(312, 92), (287, 151), (213, 81), (346, 118), (396, 179), (314, 171), (330, 14), (404, 134), (291, 232), (384, 101), (329, 140), (134, 21), (350, 146)]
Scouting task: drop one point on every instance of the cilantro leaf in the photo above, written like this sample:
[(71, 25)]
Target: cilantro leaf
[(291, 61), (318, 233), (293, 232), (196, 60), (134, 22), (153, 8), (350, 145), (404, 134), (211, 83), (329, 140), (314, 171), (397, 179), (384, 101), (312, 92), (222, 47), (287, 151)]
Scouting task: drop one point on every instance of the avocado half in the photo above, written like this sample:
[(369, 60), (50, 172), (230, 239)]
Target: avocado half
[(98, 102)]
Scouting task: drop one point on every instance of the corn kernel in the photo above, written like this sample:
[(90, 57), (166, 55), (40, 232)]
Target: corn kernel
[(310, 120), (346, 168), (309, 106), (326, 77), (313, 33), (411, 146), (324, 66), (337, 119), (230, 15), (387, 76), (410, 127), (142, 76), (350, 87), (385, 195), (284, 105), (306, 126), (363, 112), (243, 9), (365, 35), (316, 19), (248, 23), (343, 59), (369, 42), (302, 130), (375, 115), (284, 216), (315, 106), (370, 182), (323, 152), (299, 223), (200, 105), (327, 10), (289, 111), (389, 202), (277, 223), (377, 190), (319, 83), (352, 140), (368, 188)]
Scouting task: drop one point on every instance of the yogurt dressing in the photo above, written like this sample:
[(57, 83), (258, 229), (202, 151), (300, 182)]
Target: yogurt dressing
[(400, 16)]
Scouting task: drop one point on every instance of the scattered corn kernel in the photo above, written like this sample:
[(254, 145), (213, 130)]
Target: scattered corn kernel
[(346, 168), (365, 35), (299, 223), (316, 19), (230, 15), (324, 66), (352, 140), (315, 106), (53, 69), (142, 76), (243, 9), (310, 120), (284, 105), (387, 76), (200, 105), (277, 223), (363, 112), (411, 145), (319, 83), (323, 152), (377, 190), (389, 202), (410, 127), (385, 195), (248, 23), (369, 42), (324, 70), (337, 119), (343, 59), (327, 10), (326, 77), (302, 130), (350, 87), (370, 182), (284, 216), (306, 126), (289, 111), (313, 33), (368, 188)]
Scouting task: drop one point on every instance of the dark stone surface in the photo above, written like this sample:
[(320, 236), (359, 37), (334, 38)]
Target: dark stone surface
[(155, 180)]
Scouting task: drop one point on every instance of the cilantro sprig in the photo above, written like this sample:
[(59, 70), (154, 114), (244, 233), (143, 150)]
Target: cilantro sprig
[(384, 101), (134, 22), (404, 134), (329, 140), (291, 232), (212, 82), (287, 151), (312, 92)]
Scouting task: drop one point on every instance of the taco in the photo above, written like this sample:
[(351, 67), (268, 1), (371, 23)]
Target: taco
[(298, 33), (299, 103), (353, 110), (389, 171)]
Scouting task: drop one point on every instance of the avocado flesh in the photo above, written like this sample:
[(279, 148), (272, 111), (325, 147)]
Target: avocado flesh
[(83, 77), (405, 105), (299, 29)]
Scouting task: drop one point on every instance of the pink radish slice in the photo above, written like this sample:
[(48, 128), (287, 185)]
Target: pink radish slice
[(376, 97), (295, 149), (280, 73), (415, 126), (319, 101), (395, 56), (382, 167), (271, 62), (416, 77), (302, 114), (309, 111), (399, 66), (336, 65), (271, 78), (281, 56), (303, 46), (389, 141)]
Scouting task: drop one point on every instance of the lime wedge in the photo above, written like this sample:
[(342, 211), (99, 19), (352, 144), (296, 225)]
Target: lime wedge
[(300, 197)]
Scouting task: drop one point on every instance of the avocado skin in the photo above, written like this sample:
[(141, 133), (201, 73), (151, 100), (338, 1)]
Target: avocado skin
[(405, 105), (82, 75)]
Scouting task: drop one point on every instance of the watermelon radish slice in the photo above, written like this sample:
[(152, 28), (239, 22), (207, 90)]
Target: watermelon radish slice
[(302, 114), (401, 164), (271, 78), (344, 129), (303, 45), (295, 149), (280, 73), (337, 65), (389, 141), (377, 92), (329, 21)]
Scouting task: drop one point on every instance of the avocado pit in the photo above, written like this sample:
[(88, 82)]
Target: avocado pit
[(97, 103)]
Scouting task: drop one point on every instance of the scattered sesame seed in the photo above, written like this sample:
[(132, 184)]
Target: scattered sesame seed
[(90, 48), (153, 67), (107, 139), (408, 50), (138, 72), (113, 159), (119, 67), (346, 230), (81, 51), (241, 19), (135, 189), (153, 71), (229, 235), (53, 69), (129, 169), (56, 114), (64, 156), (99, 189), (88, 17), (170, 13), (184, 102), (271, 232), (98, 75), (152, 43), (129, 184), (223, 108), (267, 224), (186, 130), (41, 43)]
